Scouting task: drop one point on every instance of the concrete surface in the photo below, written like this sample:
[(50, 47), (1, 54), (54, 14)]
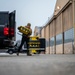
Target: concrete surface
[(37, 64)]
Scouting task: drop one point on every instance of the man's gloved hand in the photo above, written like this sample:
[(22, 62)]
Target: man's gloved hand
[(18, 28)]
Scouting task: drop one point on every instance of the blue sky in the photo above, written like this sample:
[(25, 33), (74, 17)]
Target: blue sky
[(34, 11)]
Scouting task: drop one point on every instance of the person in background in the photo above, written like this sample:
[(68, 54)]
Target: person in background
[(25, 38)]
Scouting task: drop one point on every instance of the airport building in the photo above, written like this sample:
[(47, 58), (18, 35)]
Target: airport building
[(59, 31)]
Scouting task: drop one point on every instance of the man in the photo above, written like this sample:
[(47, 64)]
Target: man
[(25, 38)]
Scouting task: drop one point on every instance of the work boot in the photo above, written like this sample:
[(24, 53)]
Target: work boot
[(17, 53), (28, 54)]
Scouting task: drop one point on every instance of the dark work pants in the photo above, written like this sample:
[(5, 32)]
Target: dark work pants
[(24, 39)]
